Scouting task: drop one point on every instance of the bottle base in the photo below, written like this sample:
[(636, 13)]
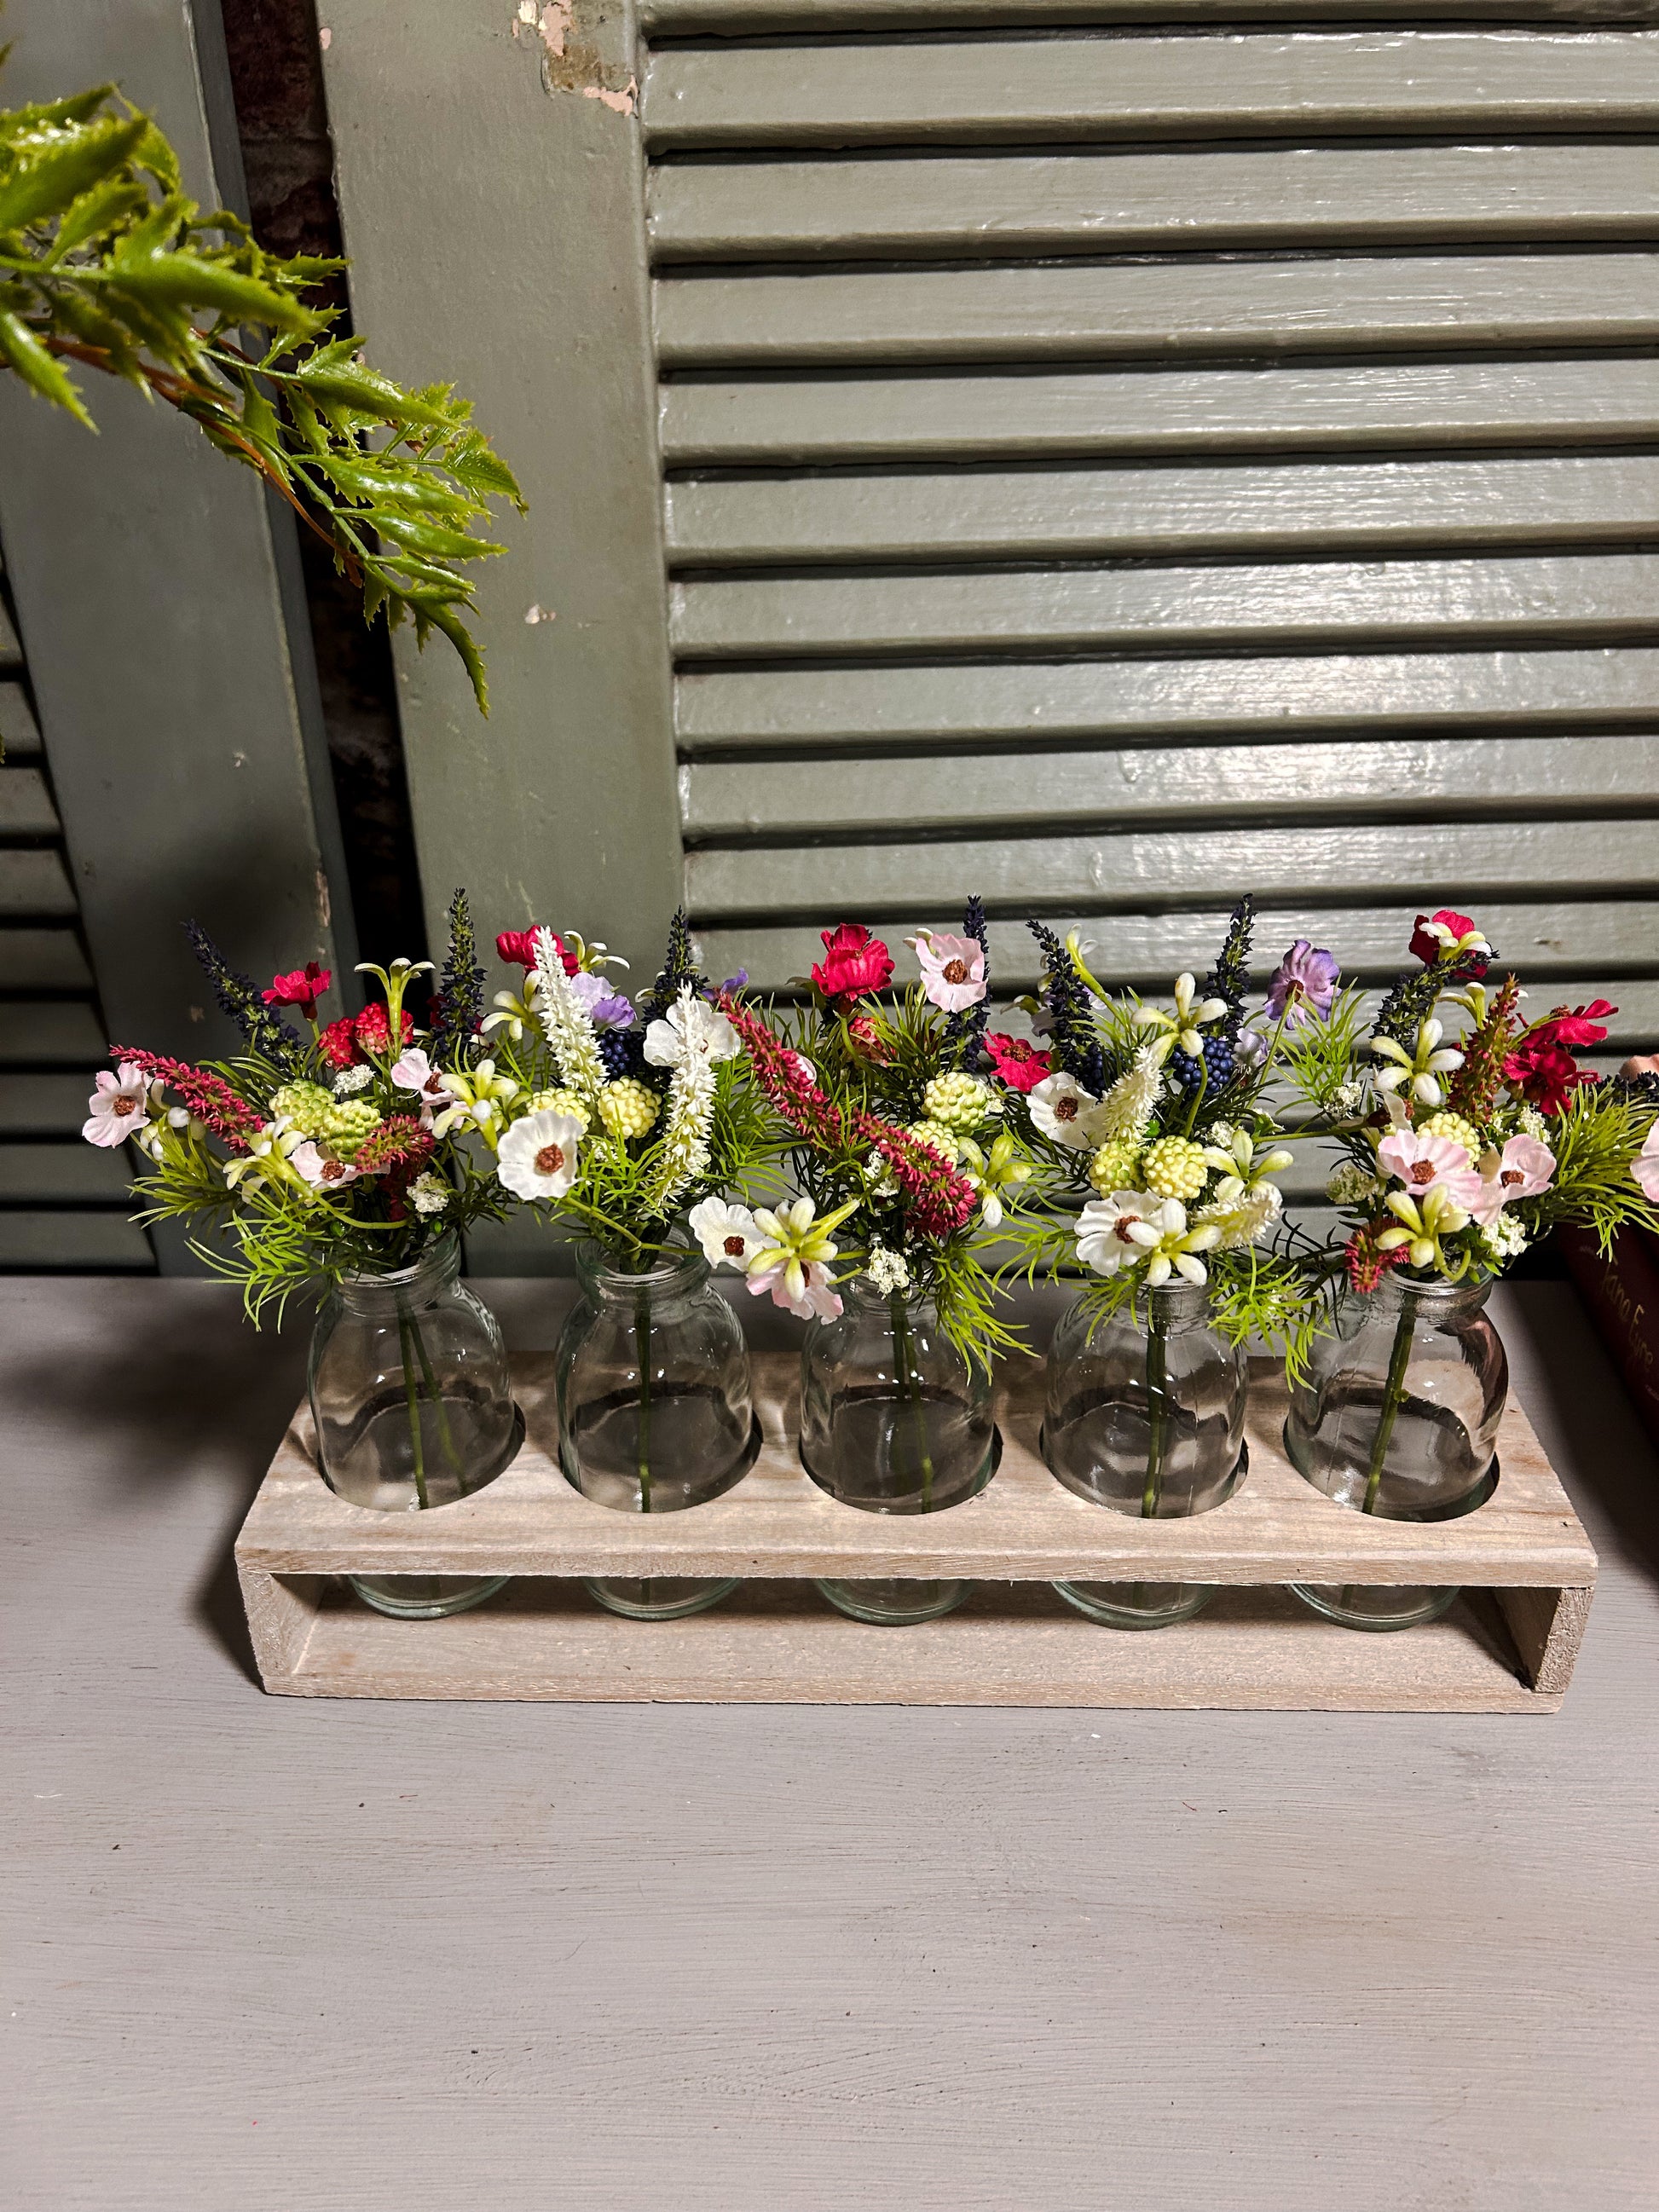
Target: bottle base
[(894, 1603), (658, 1597), (425, 1597), (1377, 1605), (1137, 1605)]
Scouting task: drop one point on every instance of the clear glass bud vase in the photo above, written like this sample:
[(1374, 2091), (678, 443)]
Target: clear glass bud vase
[(893, 1420), (1145, 1416), (1398, 1416), (656, 1412), (413, 1409)]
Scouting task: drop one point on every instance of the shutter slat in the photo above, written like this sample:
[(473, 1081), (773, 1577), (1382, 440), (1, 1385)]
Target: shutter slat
[(26, 807), (43, 1105), (1466, 863), (11, 653), (688, 19), (45, 1033), (1554, 944), (20, 740), (740, 709), (73, 1242), (1227, 85), (35, 883), (1340, 198), (1014, 415), (1592, 596), (42, 960), (64, 1175), (1062, 513), (1020, 791)]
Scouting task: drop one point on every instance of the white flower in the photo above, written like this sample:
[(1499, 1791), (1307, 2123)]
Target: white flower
[(1243, 1215), (429, 1194), (1418, 1071), (1130, 1228), (887, 1270), (1064, 1110), (565, 1022), (881, 1184), (1504, 1239), (727, 1234), (118, 1108), (481, 1096), (1531, 1123), (1349, 1185), (1126, 1108), (267, 1159), (1180, 1028), (1350, 1096), (350, 1080), (538, 1156), (692, 1028), (321, 1172)]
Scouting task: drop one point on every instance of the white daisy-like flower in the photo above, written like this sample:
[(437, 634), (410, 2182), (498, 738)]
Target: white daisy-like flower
[(538, 1156), (889, 1271), (1180, 1028), (429, 1194), (1063, 1109), (1132, 1228), (1420, 1070), (119, 1107), (691, 1028), (727, 1233), (319, 1170)]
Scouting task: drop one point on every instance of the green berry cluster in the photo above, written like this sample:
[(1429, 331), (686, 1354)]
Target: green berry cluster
[(340, 1123), (563, 1102), (627, 1108), (1453, 1126), (941, 1138), (958, 1102), (1175, 1167), (1115, 1165)]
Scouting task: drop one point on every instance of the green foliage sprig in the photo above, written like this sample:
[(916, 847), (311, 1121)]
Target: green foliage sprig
[(104, 263)]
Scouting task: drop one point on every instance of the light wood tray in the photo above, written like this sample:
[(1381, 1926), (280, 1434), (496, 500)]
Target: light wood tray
[(1509, 1645)]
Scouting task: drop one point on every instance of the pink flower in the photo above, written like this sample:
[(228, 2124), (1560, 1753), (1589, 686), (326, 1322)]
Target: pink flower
[(1646, 1166), (414, 1072), (118, 1108), (953, 969), (816, 1301), (854, 963), (302, 988), (1425, 1163), (1438, 936), (1018, 1064), (1525, 1169), (320, 1171)]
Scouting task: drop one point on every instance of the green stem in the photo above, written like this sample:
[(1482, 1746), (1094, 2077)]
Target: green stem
[(643, 1357), (910, 1384), (412, 1404), (445, 1435), (1157, 1383), (1394, 1393)]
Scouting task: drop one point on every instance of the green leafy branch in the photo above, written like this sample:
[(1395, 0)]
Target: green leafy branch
[(105, 265)]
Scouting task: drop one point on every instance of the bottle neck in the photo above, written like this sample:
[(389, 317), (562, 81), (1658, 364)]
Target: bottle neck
[(375, 1296), (1434, 1303), (675, 1274), (861, 1296), (1175, 1306)]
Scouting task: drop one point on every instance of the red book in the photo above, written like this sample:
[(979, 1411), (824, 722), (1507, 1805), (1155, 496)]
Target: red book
[(1622, 1294)]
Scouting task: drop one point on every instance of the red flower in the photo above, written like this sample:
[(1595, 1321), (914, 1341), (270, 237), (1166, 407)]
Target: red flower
[(1545, 1073), (518, 948), (1574, 1026), (1020, 1065), (1428, 948), (350, 1040), (302, 988), (855, 963), (868, 1040), (1365, 1265)]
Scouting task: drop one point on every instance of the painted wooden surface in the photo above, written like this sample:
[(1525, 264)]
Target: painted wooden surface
[(691, 19), (735, 1959), (1232, 84)]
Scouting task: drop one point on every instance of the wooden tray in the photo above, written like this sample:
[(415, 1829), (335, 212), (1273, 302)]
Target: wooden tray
[(1509, 1645)]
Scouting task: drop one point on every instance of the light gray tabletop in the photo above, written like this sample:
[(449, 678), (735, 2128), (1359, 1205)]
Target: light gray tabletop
[(284, 1955)]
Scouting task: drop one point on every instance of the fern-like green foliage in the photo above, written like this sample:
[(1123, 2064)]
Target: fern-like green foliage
[(106, 265)]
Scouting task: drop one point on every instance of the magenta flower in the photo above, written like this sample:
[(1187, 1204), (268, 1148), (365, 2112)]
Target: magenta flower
[(1303, 985), (953, 969)]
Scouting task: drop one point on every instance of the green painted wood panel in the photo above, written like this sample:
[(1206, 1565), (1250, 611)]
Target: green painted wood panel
[(948, 705), (33, 959), (34, 884), (693, 19), (1468, 862), (451, 155), (784, 420), (799, 800), (20, 740), (1230, 85), (11, 653), (1334, 199), (1059, 514), (64, 1175), (37, 1105), (51, 1033), (26, 807), (1525, 601), (49, 1241), (1043, 312)]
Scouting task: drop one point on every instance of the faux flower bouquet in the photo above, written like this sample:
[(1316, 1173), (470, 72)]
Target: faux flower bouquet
[(310, 1158), (1470, 1134), (621, 1119), (1157, 1139), (897, 1145)]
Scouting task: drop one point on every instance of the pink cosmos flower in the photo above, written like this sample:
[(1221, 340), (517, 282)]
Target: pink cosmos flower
[(1425, 1163), (1525, 1169), (118, 1108), (414, 1072), (953, 969), (816, 1301), (1646, 1166), (320, 1171)]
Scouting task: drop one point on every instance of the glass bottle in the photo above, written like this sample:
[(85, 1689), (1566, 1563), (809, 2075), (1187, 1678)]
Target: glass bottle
[(656, 1412), (894, 1419), (413, 1409), (1145, 1416), (1398, 1416)]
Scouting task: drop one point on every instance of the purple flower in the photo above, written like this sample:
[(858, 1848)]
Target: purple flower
[(732, 984), (1302, 985), (606, 1008)]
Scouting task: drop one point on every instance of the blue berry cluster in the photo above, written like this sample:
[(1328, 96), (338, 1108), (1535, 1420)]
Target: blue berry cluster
[(1218, 1065), (622, 1052)]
